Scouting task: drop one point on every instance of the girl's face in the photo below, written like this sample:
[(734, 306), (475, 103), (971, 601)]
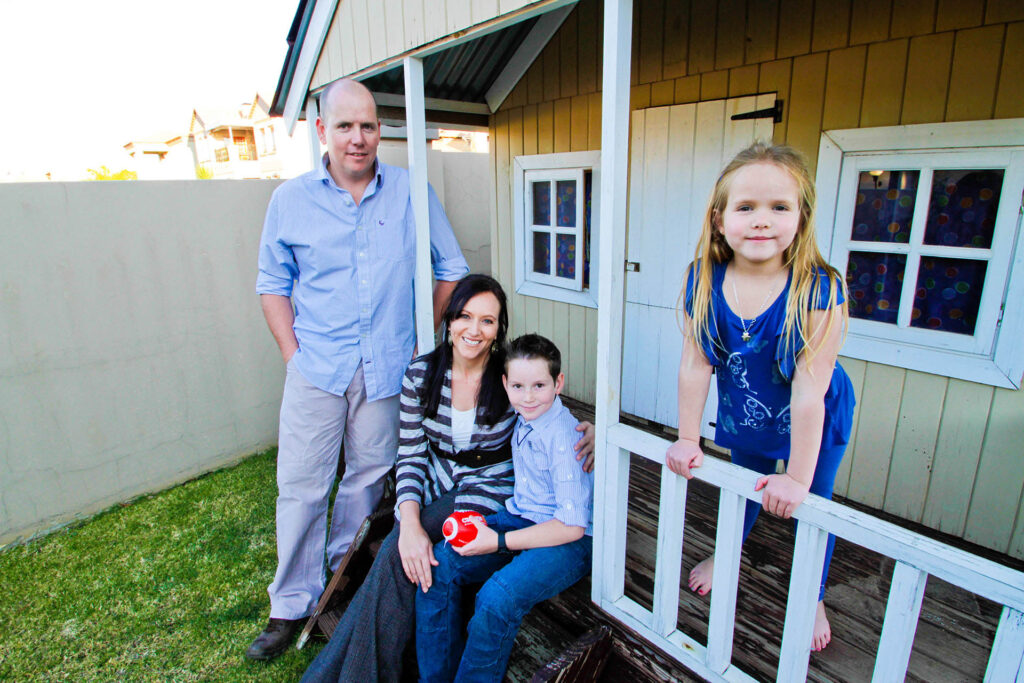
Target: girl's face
[(762, 214), (475, 328)]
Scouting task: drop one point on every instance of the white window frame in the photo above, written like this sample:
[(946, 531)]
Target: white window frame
[(993, 355), (561, 166)]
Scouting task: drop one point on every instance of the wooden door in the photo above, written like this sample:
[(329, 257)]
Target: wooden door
[(676, 155)]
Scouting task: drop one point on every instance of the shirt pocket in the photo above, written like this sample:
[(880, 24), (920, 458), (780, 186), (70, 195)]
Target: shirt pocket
[(394, 239)]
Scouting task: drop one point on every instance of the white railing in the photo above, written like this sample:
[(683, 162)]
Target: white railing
[(916, 558)]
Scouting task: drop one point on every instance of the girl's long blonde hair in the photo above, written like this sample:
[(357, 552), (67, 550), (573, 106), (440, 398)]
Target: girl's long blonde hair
[(801, 257)]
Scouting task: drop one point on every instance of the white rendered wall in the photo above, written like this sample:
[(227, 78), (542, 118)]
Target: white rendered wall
[(133, 353)]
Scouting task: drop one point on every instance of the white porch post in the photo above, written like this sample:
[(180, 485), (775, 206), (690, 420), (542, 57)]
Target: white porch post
[(612, 471), (416, 129), (314, 139)]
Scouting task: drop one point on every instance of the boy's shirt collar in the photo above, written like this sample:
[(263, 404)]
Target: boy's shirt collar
[(524, 427)]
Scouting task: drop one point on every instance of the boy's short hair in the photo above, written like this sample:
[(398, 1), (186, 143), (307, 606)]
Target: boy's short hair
[(530, 346)]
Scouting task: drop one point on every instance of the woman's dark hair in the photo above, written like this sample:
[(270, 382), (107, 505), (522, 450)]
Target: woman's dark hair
[(491, 397)]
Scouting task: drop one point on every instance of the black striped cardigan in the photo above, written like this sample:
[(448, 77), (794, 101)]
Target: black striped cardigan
[(423, 476)]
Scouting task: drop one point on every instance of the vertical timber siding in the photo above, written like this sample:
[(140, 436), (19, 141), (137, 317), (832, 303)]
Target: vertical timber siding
[(943, 452)]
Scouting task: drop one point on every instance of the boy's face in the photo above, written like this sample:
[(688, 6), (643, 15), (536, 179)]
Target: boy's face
[(531, 388)]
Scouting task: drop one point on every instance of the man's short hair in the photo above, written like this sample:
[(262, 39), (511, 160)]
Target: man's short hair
[(531, 346)]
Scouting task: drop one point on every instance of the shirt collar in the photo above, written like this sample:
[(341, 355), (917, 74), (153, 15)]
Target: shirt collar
[(323, 175), (550, 415)]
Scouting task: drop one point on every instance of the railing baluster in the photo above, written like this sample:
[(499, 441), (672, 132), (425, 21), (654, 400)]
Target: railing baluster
[(609, 563), (1006, 661), (728, 546), (804, 580), (668, 563), (900, 625)]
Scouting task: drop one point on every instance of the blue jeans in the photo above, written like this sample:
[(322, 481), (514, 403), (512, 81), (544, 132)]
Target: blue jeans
[(514, 584), (821, 485)]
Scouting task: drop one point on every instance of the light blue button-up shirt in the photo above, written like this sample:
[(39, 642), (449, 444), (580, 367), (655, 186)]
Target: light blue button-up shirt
[(349, 270), (549, 481)]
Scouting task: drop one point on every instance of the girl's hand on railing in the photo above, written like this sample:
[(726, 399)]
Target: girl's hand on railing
[(782, 494), (683, 456)]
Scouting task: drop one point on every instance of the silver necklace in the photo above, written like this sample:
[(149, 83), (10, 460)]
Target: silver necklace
[(735, 295)]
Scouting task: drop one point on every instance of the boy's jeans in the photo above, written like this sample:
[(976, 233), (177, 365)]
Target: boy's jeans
[(514, 584)]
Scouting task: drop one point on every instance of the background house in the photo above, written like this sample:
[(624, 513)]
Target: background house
[(244, 142), (940, 416), (161, 156)]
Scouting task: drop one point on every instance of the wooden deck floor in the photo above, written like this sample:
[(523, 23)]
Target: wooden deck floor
[(954, 633)]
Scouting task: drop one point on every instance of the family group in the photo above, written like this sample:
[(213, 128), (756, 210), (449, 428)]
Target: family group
[(476, 424)]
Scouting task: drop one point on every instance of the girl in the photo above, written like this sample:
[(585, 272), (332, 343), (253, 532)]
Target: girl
[(764, 308)]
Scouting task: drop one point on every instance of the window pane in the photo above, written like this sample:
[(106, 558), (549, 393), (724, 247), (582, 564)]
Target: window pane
[(542, 252), (542, 203), (875, 282), (948, 294), (962, 210), (565, 258), (885, 206), (566, 203)]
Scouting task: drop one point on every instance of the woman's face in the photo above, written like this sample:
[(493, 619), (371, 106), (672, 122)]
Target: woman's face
[(475, 328)]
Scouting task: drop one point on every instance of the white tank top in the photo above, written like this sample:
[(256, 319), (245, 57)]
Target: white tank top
[(462, 427)]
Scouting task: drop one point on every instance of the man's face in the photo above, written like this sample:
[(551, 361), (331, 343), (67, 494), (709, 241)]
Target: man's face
[(349, 128)]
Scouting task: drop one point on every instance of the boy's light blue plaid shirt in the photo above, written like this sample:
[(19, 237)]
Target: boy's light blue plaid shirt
[(549, 481)]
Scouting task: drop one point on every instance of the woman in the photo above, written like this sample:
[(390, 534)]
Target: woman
[(453, 453)]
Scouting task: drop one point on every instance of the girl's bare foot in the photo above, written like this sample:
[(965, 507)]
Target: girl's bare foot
[(701, 575), (822, 631)]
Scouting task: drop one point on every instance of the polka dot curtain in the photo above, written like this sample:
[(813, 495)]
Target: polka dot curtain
[(961, 214)]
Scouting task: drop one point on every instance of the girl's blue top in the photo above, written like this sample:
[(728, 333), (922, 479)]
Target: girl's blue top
[(755, 376)]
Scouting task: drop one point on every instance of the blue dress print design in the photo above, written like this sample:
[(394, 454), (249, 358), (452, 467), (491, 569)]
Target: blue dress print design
[(754, 376)]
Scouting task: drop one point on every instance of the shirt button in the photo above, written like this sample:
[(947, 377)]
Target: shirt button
[(362, 254)]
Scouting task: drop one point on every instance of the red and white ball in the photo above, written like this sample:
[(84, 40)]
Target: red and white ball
[(458, 529)]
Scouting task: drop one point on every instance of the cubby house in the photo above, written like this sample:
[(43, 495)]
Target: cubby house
[(608, 124)]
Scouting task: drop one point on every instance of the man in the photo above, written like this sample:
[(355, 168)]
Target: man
[(344, 235)]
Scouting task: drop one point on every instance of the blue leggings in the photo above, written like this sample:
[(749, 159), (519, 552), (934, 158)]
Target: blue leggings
[(822, 483)]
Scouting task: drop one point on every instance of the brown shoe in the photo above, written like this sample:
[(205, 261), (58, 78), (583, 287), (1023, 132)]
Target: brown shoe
[(275, 638)]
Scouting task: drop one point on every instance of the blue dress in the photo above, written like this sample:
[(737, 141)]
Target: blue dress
[(755, 386), (755, 376)]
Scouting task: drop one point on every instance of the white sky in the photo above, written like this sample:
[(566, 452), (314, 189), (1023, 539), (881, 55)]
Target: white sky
[(80, 79)]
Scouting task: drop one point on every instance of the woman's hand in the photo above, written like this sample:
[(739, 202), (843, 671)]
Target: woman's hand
[(585, 446), (683, 456), (417, 553), (486, 540), (782, 494)]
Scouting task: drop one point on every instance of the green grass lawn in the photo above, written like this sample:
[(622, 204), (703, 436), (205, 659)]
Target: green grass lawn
[(170, 587)]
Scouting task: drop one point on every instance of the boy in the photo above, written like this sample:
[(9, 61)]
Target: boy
[(532, 550)]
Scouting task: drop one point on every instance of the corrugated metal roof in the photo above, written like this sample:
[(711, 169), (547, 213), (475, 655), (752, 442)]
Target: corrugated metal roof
[(464, 72)]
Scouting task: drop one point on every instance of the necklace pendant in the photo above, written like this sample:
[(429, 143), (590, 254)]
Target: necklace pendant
[(745, 336)]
